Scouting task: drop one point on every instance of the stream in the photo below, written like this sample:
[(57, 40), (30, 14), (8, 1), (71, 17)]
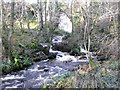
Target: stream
[(43, 71)]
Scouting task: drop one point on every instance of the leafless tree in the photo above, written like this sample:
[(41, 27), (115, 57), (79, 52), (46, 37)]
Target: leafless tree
[(2, 15), (22, 14), (2, 28), (11, 31), (40, 16)]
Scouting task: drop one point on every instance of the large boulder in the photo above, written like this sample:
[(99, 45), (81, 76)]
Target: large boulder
[(67, 45), (62, 46)]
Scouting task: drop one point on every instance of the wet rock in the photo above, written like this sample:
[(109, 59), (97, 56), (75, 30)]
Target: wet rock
[(67, 45), (46, 69), (62, 46), (58, 43), (52, 55), (21, 72), (41, 67), (44, 47), (75, 52), (38, 55)]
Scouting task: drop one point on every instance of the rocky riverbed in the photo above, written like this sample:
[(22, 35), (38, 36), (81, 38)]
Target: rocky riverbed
[(43, 71)]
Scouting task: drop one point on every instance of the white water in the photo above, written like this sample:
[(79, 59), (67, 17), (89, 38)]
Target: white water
[(34, 77), (57, 39)]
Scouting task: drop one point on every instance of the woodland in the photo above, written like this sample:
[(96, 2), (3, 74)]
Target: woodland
[(59, 44)]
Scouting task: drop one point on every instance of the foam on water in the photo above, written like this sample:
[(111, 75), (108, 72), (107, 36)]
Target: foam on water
[(11, 87), (44, 45), (53, 51), (12, 77), (63, 58), (63, 63), (40, 77), (57, 39)]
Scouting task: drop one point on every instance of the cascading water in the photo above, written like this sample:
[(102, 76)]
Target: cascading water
[(43, 71)]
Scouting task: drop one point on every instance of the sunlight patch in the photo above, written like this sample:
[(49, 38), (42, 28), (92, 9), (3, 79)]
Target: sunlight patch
[(65, 23)]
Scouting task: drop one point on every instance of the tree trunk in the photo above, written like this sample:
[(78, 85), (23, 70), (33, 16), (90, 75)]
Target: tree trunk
[(40, 17), (50, 20), (22, 15), (40, 20), (4, 41), (45, 14), (28, 25), (47, 10), (72, 17), (2, 28), (28, 18), (56, 14), (2, 15), (56, 6), (11, 31)]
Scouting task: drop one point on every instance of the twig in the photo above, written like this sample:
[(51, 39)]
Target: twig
[(107, 36)]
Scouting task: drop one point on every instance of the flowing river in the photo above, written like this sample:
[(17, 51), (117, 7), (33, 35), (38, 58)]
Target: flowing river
[(43, 71)]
